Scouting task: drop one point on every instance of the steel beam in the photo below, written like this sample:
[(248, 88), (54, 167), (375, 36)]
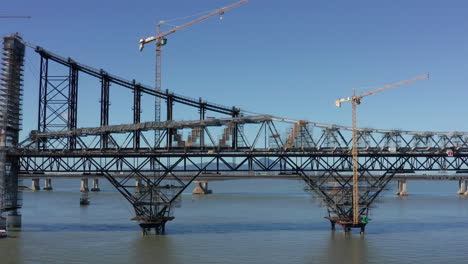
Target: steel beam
[(128, 84), (136, 113), (105, 106), (169, 117), (72, 103)]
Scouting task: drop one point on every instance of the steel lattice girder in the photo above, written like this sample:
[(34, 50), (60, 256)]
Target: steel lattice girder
[(333, 183), (309, 136), (310, 139), (309, 148), (67, 62)]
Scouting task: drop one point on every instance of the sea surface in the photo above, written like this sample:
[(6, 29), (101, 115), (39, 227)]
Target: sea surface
[(244, 221)]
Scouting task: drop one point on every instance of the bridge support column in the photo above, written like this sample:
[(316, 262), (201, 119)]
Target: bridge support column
[(466, 186), (14, 221), (159, 228), (11, 91), (347, 224), (95, 185), (35, 186), (201, 188), (402, 189), (48, 184), (84, 185), (461, 187), (3, 223), (139, 185)]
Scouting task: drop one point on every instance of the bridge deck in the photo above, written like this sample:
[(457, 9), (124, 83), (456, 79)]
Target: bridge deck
[(227, 176)]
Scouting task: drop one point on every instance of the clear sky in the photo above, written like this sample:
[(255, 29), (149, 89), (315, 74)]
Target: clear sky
[(286, 58)]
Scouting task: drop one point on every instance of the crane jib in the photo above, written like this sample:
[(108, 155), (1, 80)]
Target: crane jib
[(195, 21)]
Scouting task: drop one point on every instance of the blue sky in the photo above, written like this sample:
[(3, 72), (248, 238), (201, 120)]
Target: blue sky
[(286, 58)]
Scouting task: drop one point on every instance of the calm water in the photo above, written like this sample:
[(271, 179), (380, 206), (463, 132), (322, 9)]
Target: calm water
[(250, 221)]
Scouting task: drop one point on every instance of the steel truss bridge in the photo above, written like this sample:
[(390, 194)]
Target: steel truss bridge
[(233, 142)]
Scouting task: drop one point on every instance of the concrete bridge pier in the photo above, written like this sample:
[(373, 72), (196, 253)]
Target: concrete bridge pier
[(95, 185), (461, 187), (139, 185), (466, 186), (84, 185), (48, 184), (35, 186), (3, 222), (402, 189), (201, 188), (13, 220)]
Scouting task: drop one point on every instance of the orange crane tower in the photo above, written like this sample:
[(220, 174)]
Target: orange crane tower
[(355, 100)]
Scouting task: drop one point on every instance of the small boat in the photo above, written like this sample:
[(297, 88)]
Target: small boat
[(3, 233)]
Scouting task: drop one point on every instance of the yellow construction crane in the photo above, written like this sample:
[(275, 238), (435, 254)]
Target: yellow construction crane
[(355, 100), (161, 36), (161, 40)]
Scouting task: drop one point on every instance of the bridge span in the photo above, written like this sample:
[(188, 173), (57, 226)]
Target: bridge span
[(201, 187), (167, 156), (228, 177)]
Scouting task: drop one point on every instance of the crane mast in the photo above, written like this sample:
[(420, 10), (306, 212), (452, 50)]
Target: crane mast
[(354, 153), (355, 100), (160, 41), (157, 100)]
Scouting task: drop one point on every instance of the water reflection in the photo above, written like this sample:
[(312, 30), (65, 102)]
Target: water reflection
[(346, 248), (225, 228), (10, 249), (232, 229), (155, 249)]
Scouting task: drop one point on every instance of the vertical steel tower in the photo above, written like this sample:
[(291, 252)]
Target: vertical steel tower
[(10, 125)]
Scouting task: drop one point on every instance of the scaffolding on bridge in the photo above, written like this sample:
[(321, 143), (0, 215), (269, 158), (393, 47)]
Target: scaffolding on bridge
[(11, 92)]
